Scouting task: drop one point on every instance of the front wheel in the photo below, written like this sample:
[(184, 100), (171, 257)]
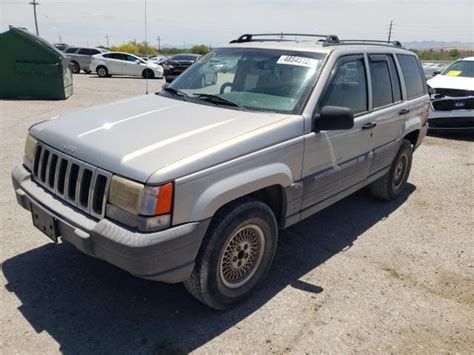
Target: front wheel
[(148, 73), (236, 254), (392, 184)]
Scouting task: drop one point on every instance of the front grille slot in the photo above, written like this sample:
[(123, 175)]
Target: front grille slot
[(98, 196), (62, 176), (85, 186), (52, 170), (81, 184), (72, 183)]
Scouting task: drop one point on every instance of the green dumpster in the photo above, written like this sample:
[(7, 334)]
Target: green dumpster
[(31, 68)]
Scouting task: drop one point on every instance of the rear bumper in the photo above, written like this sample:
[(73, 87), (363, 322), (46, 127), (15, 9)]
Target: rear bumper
[(162, 256)]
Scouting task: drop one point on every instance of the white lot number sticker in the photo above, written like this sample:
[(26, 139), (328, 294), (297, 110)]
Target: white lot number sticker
[(301, 61)]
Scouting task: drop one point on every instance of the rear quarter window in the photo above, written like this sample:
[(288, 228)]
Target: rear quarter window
[(412, 74)]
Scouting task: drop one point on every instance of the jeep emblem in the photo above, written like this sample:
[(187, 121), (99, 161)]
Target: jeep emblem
[(69, 148), (459, 104)]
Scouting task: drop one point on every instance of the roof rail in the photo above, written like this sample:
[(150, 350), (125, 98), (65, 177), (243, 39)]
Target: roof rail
[(250, 37), (365, 41)]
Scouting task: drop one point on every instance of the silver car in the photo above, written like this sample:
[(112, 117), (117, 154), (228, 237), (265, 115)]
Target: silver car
[(193, 184), (81, 57)]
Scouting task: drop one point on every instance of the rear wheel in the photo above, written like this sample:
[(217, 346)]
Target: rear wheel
[(102, 71), (75, 67), (148, 73), (236, 254), (392, 184)]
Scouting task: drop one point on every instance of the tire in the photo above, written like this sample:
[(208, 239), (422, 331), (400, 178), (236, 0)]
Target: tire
[(102, 71), (392, 184), (148, 73), (75, 67), (236, 254)]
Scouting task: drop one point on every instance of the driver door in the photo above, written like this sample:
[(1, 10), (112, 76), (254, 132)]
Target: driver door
[(130, 67), (334, 161)]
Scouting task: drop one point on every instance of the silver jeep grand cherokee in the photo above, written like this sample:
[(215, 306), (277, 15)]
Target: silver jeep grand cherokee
[(192, 184)]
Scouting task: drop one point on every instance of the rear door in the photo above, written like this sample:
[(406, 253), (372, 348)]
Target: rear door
[(336, 160), (388, 109)]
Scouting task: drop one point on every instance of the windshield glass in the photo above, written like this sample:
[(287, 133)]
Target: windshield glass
[(252, 79), (462, 68)]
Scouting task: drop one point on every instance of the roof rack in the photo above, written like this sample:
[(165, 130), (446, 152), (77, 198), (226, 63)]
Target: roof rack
[(250, 37), (366, 41), (326, 40)]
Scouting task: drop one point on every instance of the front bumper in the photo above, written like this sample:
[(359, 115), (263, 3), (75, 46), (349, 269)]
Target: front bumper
[(454, 120), (167, 255)]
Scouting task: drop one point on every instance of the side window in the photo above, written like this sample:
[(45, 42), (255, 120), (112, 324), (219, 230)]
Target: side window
[(381, 83), (71, 50), (107, 55), (85, 51), (116, 56), (412, 75), (396, 85), (94, 51), (130, 58), (348, 87)]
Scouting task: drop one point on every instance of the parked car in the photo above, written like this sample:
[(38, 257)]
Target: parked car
[(118, 63), (433, 69), (452, 98), (158, 59), (177, 64), (81, 57), (192, 185), (61, 46)]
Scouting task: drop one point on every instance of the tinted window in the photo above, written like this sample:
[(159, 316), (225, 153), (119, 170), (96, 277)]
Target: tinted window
[(94, 51), (348, 87), (179, 57), (130, 58), (412, 75), (85, 51), (397, 89), (118, 56), (71, 50), (381, 83)]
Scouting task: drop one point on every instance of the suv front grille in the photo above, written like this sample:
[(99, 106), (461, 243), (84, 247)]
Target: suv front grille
[(82, 185)]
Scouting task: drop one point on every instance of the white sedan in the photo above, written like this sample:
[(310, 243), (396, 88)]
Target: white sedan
[(119, 63)]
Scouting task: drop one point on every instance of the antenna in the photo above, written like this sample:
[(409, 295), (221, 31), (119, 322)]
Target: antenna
[(390, 32), (146, 54), (34, 3)]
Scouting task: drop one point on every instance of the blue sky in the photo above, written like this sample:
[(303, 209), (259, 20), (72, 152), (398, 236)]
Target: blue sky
[(182, 23)]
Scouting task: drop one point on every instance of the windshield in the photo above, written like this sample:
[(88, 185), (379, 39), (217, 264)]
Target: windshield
[(252, 79), (462, 68)]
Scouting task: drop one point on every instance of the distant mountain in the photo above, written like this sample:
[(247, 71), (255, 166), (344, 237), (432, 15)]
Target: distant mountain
[(437, 44)]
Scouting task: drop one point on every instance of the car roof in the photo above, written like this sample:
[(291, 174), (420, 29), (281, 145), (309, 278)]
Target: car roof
[(318, 47), (470, 59)]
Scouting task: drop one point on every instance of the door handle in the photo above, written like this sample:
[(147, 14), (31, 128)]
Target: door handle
[(404, 111), (369, 125)]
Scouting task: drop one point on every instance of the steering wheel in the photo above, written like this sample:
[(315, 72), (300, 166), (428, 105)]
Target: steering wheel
[(225, 86)]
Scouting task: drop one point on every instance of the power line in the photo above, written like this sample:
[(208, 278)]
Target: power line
[(34, 3)]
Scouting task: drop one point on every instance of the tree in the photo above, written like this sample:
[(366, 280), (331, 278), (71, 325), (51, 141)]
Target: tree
[(199, 49), (136, 48), (454, 53)]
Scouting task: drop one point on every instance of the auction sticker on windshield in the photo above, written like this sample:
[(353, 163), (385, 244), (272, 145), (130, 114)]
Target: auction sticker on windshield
[(296, 60)]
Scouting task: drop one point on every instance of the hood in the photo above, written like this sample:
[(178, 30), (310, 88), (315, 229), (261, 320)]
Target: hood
[(136, 137), (451, 82)]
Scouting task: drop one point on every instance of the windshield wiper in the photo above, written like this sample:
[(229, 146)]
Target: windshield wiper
[(174, 91), (218, 99)]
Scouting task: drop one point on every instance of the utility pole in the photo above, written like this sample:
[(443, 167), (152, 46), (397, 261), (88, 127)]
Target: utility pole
[(184, 45), (390, 32), (159, 43), (34, 3), (107, 38)]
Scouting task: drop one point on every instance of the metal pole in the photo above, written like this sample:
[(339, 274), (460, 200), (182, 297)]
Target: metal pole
[(146, 53), (159, 44), (34, 3), (107, 38)]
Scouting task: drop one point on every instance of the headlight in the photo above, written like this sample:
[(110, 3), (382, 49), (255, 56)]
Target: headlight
[(140, 199), (30, 150)]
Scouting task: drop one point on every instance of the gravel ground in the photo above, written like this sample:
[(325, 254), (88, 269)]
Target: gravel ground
[(362, 276)]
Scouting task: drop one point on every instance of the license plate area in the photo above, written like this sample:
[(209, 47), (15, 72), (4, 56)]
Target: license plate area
[(45, 222)]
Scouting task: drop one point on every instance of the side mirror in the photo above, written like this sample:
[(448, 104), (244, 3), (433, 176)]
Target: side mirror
[(137, 61), (334, 118), (436, 72)]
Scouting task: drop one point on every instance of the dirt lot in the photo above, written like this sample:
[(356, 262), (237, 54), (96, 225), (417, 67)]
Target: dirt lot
[(361, 276)]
